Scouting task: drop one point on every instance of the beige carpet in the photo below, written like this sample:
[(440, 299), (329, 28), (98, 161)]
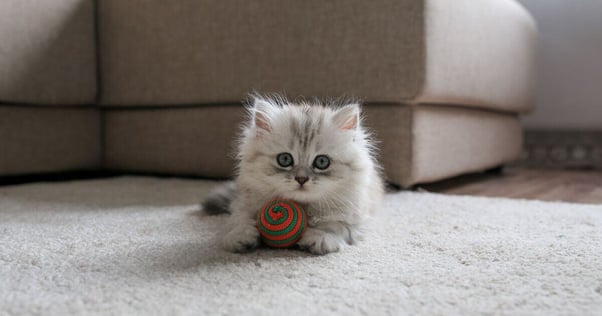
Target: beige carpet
[(137, 245)]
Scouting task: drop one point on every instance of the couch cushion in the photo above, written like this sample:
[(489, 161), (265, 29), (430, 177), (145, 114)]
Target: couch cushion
[(47, 52), (48, 139), (426, 143), (204, 51), (463, 52), (449, 141), (184, 141), (417, 143)]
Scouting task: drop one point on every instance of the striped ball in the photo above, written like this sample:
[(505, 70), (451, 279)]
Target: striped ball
[(281, 223)]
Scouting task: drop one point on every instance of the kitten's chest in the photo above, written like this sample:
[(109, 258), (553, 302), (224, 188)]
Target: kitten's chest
[(316, 215)]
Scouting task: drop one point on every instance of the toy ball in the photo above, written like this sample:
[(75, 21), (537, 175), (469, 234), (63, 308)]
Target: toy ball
[(281, 223)]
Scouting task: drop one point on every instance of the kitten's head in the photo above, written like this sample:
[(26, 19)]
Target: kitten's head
[(306, 152)]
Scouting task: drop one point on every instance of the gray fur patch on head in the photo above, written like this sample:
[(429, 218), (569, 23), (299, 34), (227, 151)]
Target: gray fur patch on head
[(306, 130)]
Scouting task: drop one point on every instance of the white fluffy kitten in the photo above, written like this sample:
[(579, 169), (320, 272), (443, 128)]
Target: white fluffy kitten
[(318, 155)]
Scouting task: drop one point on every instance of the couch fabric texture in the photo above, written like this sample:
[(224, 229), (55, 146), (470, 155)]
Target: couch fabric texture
[(215, 51), (43, 139), (47, 52), (479, 54), (439, 78), (173, 141), (437, 51)]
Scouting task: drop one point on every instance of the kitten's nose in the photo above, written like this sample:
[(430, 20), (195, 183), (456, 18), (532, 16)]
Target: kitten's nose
[(301, 180)]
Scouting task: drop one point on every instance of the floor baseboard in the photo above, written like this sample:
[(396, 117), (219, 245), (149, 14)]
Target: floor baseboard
[(562, 149)]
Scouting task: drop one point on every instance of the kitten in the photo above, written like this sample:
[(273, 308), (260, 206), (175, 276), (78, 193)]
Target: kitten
[(318, 155)]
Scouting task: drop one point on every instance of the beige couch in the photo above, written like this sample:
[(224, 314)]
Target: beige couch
[(156, 86)]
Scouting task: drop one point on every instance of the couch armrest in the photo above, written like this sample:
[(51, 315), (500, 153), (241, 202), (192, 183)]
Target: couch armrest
[(479, 53)]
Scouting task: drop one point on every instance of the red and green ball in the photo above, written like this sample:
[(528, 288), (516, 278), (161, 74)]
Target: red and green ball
[(281, 223)]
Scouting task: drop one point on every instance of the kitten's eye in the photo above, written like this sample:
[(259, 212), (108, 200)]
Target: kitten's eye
[(322, 162), (285, 160)]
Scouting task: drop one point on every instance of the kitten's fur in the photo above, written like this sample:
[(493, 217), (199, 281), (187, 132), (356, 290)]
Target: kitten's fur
[(336, 199)]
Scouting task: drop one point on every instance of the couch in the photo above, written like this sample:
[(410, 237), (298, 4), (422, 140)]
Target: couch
[(156, 86)]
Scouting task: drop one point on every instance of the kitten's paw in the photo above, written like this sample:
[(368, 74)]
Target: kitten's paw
[(241, 239), (319, 242)]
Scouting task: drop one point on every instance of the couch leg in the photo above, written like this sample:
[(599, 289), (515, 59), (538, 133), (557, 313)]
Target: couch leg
[(495, 170)]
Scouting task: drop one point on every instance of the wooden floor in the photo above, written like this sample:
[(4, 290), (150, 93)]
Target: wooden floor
[(548, 185)]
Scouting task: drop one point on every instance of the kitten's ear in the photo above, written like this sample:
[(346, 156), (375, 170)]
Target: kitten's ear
[(348, 117), (261, 114)]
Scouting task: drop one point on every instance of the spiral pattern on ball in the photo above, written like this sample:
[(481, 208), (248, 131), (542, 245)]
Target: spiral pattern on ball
[(281, 223)]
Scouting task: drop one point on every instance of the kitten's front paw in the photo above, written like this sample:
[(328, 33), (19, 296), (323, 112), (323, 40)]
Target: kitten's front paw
[(241, 239), (319, 242)]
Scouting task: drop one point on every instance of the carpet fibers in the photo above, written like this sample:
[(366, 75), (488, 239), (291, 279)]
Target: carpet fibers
[(136, 245)]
